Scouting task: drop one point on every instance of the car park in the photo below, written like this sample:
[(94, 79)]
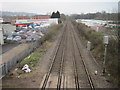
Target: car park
[(24, 34)]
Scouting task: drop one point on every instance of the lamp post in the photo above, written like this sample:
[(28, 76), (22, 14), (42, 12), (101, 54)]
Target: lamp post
[(105, 41)]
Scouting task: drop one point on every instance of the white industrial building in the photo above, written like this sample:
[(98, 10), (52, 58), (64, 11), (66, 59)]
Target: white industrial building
[(39, 21), (92, 22), (8, 28)]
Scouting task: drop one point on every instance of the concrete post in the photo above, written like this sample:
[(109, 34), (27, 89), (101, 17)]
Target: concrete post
[(1, 36), (97, 29), (104, 62), (89, 45), (105, 41)]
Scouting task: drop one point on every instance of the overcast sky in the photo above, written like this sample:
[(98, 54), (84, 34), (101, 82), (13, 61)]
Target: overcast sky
[(64, 6)]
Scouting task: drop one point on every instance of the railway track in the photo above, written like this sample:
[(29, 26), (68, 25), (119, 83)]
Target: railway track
[(56, 67), (84, 64), (75, 65), (54, 61)]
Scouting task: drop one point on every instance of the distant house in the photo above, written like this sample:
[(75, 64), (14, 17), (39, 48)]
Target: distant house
[(14, 18), (40, 17), (36, 19), (98, 28), (20, 17)]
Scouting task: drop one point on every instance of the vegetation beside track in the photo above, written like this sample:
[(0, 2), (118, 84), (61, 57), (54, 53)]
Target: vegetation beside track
[(96, 38), (33, 58), (51, 32)]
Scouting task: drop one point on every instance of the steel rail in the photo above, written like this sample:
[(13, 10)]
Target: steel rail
[(53, 60), (75, 66), (86, 70), (61, 67)]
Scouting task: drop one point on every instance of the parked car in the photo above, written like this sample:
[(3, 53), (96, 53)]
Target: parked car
[(41, 34), (9, 38), (5, 37), (29, 39), (24, 27), (36, 29), (21, 32), (14, 35), (23, 36), (34, 32), (17, 38)]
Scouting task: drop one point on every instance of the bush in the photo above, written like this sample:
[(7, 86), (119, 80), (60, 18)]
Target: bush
[(51, 32)]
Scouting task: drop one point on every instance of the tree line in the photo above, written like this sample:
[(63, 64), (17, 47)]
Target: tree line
[(55, 15), (98, 15)]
